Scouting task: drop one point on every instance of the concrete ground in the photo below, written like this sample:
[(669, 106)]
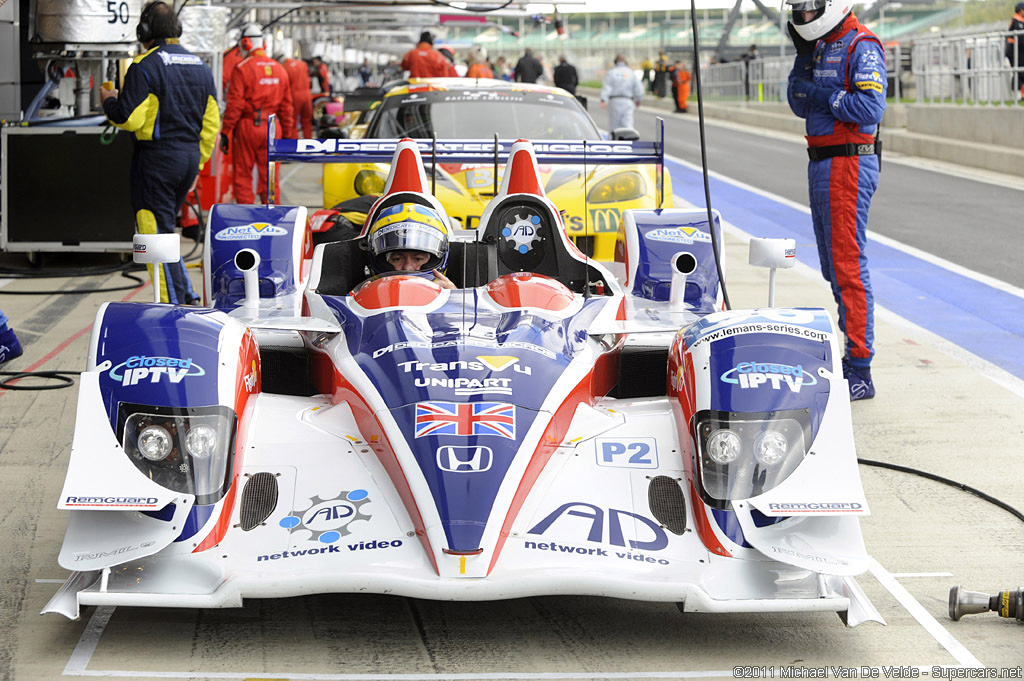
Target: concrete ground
[(937, 409)]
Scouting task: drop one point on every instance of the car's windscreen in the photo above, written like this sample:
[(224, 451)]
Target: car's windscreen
[(474, 114)]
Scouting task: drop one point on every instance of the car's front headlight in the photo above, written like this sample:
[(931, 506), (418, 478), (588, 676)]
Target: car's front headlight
[(623, 186), (188, 450), (742, 455), (370, 182)]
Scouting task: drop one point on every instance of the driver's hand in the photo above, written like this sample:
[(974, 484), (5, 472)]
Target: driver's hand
[(444, 281)]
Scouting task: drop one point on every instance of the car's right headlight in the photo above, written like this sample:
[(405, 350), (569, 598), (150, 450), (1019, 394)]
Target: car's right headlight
[(188, 450), (742, 455), (623, 186)]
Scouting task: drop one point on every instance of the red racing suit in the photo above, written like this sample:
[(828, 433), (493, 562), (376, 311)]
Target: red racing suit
[(423, 61), (259, 87), (302, 95), (850, 63), (231, 59)]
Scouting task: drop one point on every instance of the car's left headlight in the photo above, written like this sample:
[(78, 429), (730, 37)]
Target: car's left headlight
[(742, 455), (370, 182), (189, 450), (622, 186)]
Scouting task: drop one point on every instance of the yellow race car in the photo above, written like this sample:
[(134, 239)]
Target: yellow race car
[(460, 108)]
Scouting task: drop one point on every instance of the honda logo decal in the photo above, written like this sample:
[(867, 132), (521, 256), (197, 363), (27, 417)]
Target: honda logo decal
[(463, 459)]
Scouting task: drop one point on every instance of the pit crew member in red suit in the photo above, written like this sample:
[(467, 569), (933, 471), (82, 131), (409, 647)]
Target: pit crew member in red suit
[(259, 88), (302, 95), (423, 61), (838, 86)]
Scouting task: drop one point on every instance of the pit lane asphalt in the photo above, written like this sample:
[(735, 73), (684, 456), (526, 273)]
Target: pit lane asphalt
[(938, 409)]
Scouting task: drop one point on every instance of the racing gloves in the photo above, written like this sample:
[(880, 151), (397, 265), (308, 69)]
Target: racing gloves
[(805, 89), (224, 143), (802, 46)]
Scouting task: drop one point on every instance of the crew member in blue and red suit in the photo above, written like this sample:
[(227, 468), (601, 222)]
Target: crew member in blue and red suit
[(259, 88), (838, 86), (169, 101)]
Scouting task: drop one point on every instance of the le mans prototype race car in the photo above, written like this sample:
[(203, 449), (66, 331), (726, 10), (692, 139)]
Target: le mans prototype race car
[(547, 427), (459, 108)]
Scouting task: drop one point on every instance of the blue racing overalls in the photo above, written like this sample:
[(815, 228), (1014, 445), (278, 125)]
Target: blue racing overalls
[(850, 62), (169, 102)]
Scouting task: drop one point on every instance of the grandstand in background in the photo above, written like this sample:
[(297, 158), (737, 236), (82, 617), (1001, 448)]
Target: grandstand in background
[(591, 39)]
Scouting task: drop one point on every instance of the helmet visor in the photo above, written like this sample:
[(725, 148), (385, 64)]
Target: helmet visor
[(800, 8), (410, 236)]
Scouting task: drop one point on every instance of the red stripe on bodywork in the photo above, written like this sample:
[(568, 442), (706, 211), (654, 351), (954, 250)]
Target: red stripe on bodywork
[(549, 442), (704, 529), (248, 360), (330, 381), (680, 365)]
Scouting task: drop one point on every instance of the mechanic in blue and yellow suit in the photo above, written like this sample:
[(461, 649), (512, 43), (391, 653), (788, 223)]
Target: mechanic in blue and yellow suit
[(838, 85), (408, 237), (169, 101)]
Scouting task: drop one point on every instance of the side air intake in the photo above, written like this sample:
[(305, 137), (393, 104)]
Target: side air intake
[(259, 499), (665, 497)]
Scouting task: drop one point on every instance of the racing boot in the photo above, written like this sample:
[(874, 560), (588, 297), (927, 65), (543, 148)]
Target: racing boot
[(859, 378), (9, 345)]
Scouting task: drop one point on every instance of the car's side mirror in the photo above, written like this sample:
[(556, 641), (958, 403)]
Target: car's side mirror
[(628, 134)]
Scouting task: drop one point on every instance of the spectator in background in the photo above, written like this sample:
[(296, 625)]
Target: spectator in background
[(1016, 56), (423, 61), (259, 88), (620, 94), (565, 76), (302, 94), (661, 75), (323, 75), (9, 345), (670, 76), (169, 102), (682, 86), (501, 69), (365, 73), (528, 69), (750, 56), (647, 66), (478, 67)]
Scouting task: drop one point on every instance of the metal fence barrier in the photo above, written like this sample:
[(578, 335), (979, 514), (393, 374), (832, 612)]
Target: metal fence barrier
[(970, 69), (964, 69)]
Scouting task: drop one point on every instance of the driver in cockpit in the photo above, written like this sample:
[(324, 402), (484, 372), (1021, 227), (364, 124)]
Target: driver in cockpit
[(409, 237)]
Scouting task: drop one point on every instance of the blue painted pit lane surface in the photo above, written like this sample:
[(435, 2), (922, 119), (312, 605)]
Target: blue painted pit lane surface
[(980, 318)]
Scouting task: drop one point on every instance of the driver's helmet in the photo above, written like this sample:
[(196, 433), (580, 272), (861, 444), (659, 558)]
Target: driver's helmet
[(827, 15), (408, 227)]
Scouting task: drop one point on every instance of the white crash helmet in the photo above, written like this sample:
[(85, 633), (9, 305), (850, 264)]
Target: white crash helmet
[(478, 54), (830, 13)]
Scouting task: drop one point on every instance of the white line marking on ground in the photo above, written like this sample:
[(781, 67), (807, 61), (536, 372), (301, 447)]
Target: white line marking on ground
[(50, 581), (923, 617), (908, 575), (83, 652)]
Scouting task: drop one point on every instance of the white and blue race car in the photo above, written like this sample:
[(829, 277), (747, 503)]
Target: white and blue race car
[(553, 425)]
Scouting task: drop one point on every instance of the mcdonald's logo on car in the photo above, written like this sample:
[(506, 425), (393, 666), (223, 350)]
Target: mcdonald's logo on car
[(605, 219)]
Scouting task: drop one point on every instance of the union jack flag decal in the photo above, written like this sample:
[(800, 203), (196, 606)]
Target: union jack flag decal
[(461, 419)]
